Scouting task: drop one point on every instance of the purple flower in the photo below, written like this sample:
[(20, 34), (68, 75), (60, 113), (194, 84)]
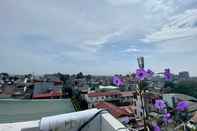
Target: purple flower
[(167, 70), (117, 81), (167, 75), (160, 104), (182, 106), (156, 128), (141, 74), (149, 73), (167, 118), (167, 115)]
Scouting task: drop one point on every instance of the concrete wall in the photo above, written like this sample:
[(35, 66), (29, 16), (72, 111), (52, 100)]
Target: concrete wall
[(103, 122), (109, 123)]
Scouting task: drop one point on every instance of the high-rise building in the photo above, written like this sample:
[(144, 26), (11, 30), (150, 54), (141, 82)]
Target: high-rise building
[(184, 75)]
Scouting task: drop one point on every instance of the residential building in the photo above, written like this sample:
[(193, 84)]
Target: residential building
[(93, 98), (47, 90), (123, 113), (149, 99), (120, 98), (173, 98), (184, 75), (138, 105)]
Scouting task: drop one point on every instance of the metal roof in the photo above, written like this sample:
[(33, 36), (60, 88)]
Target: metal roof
[(28, 110)]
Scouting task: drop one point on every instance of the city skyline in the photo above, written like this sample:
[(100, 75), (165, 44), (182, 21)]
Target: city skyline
[(98, 37)]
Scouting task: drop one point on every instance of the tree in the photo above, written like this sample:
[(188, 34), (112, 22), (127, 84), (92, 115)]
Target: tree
[(80, 75), (188, 87), (88, 77)]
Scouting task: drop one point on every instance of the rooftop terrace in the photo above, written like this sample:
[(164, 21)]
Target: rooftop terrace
[(28, 110), (88, 120)]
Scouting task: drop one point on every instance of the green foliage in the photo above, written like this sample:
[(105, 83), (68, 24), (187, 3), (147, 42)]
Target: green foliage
[(169, 84), (186, 87), (76, 104), (80, 75)]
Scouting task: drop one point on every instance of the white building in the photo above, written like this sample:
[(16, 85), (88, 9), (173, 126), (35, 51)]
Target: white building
[(184, 75), (138, 106), (131, 98), (94, 97)]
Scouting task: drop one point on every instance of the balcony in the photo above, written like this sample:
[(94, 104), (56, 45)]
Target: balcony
[(88, 120)]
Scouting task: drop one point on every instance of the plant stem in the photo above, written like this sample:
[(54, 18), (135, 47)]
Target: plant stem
[(142, 103)]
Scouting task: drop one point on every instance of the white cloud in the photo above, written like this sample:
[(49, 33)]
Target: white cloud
[(179, 35), (131, 50), (161, 6), (179, 26), (76, 23), (94, 45), (123, 2), (71, 33)]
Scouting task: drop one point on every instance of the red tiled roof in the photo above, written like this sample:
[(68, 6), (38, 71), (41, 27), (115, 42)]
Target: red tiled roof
[(124, 94), (129, 109), (47, 95), (96, 94), (114, 110), (56, 82), (127, 93)]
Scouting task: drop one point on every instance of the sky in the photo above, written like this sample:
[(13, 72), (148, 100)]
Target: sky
[(99, 37)]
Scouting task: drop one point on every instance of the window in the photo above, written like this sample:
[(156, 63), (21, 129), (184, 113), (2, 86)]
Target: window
[(135, 97), (135, 111), (141, 114)]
